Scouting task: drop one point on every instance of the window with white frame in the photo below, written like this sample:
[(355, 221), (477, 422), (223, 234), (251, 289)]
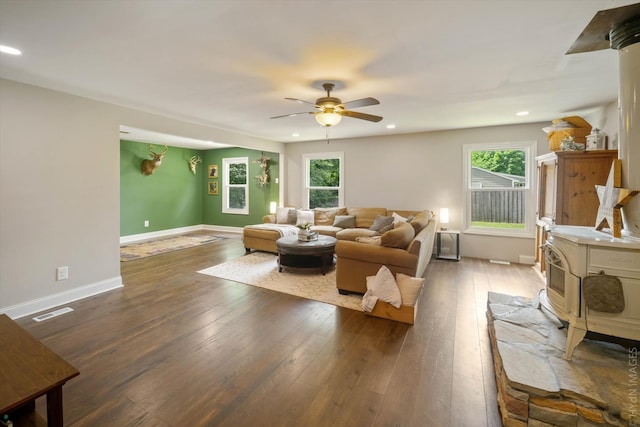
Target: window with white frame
[(498, 188), (323, 180), (235, 188)]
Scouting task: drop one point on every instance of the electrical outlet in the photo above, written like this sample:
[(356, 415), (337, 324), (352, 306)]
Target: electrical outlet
[(62, 273), (146, 223)]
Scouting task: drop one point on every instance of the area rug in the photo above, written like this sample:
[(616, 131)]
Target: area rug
[(261, 269), (168, 244)]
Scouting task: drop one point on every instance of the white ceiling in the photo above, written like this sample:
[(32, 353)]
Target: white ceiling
[(433, 64)]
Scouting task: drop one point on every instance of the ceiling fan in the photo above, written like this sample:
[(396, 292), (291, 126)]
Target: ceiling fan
[(330, 109)]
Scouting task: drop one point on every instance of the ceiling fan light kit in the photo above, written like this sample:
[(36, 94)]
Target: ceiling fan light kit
[(328, 119), (330, 109)]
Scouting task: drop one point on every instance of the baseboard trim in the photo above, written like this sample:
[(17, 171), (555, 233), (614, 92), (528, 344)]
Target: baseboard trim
[(526, 259), (223, 228), (133, 238), (34, 306)]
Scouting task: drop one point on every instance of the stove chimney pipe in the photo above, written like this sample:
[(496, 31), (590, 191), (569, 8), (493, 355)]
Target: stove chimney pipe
[(625, 38)]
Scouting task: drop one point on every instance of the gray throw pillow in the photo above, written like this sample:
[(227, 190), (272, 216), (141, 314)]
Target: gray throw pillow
[(382, 224), (345, 221)]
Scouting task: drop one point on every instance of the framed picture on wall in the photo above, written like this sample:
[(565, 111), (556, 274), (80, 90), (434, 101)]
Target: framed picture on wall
[(213, 171), (213, 187)]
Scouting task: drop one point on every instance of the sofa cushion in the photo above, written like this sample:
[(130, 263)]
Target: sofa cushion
[(286, 215), (383, 285), (399, 237), (409, 288), (366, 216), (353, 233), (373, 240), (326, 216), (420, 221), (304, 217), (344, 221), (382, 224), (326, 230)]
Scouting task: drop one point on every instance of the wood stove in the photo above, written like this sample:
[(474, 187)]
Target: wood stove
[(574, 255)]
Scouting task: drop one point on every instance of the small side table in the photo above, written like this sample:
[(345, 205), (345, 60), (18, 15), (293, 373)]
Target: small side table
[(439, 234)]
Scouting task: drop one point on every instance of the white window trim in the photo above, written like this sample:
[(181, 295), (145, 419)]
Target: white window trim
[(306, 161), (225, 186), (529, 147)]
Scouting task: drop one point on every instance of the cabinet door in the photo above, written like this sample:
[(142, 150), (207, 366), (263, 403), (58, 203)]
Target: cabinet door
[(578, 175), (547, 191)]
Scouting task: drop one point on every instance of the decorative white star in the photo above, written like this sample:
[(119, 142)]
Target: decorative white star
[(612, 199)]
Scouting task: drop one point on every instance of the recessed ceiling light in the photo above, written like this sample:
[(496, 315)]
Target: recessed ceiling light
[(522, 113), (295, 134), (392, 126), (10, 50)]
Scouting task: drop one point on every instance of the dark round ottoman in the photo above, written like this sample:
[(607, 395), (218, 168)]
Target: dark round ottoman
[(306, 254)]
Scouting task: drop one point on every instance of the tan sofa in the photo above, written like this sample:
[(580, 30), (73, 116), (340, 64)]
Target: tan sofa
[(407, 248)]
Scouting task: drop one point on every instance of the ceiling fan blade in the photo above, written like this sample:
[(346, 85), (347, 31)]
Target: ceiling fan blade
[(292, 114), (302, 101), (357, 115), (361, 103)]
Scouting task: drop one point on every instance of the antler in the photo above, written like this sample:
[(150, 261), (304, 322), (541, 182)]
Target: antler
[(156, 154)]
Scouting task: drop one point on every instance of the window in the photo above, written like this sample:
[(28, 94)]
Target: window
[(499, 198), (235, 188), (323, 186)]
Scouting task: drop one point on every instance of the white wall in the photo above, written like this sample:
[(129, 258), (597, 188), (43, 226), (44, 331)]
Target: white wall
[(59, 186), (605, 118), (418, 171), (60, 192)]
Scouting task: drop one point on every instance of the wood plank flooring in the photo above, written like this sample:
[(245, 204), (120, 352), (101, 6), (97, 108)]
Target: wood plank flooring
[(177, 348)]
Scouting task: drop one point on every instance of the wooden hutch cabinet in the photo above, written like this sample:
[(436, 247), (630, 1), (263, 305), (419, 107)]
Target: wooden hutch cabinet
[(566, 190)]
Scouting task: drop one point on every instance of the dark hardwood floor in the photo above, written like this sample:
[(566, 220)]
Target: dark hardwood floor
[(178, 348)]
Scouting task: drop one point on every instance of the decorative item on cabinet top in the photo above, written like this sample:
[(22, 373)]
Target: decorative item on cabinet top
[(597, 140), (573, 126)]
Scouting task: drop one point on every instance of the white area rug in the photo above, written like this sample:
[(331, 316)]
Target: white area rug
[(261, 269)]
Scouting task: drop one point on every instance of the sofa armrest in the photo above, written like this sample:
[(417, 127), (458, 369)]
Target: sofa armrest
[(271, 218), (358, 260)]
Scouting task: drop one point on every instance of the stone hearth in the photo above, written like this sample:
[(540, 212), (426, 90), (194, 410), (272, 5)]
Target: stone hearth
[(538, 387)]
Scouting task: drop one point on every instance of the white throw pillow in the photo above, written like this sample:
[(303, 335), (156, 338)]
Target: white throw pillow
[(397, 218), (409, 288), (384, 286), (305, 217)]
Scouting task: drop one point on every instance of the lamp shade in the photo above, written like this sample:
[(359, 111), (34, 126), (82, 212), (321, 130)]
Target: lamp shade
[(328, 119), (444, 215), (272, 207)]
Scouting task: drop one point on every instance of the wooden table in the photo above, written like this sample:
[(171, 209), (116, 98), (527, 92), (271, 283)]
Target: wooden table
[(28, 370)]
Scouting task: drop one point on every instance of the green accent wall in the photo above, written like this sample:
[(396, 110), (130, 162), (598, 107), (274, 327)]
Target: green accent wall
[(259, 198), (173, 197)]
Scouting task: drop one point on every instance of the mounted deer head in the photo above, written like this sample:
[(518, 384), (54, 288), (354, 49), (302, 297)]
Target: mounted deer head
[(193, 162), (264, 164), (149, 166)]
